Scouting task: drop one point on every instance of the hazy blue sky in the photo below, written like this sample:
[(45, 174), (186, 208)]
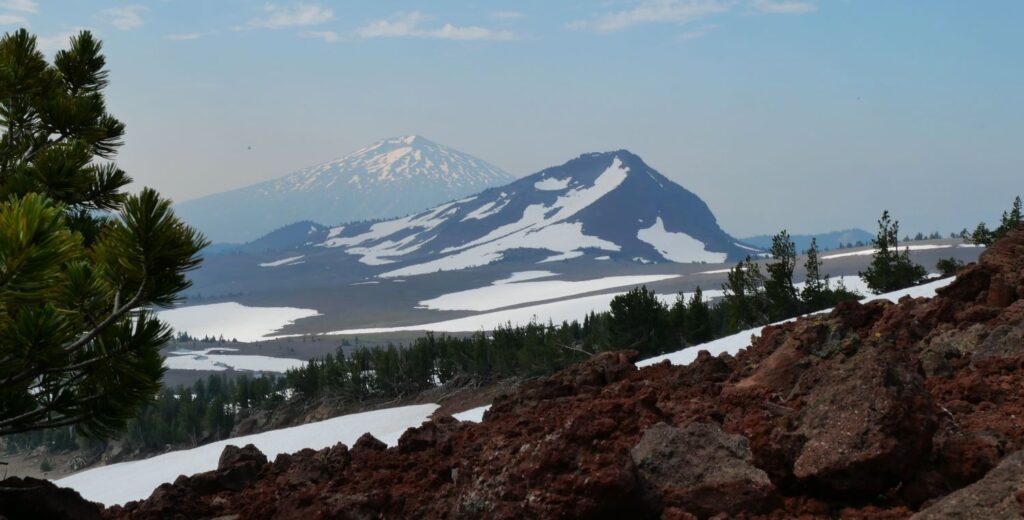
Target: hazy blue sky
[(811, 115)]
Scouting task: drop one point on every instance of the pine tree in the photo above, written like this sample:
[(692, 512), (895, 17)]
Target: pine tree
[(815, 292), (783, 301), (698, 319), (638, 321), (82, 261), (744, 300), (890, 270)]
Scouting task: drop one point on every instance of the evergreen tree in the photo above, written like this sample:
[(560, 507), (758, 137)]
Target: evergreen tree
[(698, 319), (82, 262), (744, 301), (890, 269), (815, 292), (783, 301), (638, 321)]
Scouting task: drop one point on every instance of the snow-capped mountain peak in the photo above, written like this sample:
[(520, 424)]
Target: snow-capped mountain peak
[(395, 160), (389, 178)]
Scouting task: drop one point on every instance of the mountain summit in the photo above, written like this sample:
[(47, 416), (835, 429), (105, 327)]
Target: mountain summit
[(599, 206), (387, 179)]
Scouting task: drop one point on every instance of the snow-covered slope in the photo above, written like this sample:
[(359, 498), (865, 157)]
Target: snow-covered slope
[(127, 481), (390, 178), (597, 205), (741, 340)]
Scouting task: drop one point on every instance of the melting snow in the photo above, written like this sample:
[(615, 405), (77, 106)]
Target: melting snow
[(232, 320), (120, 483), (678, 247)]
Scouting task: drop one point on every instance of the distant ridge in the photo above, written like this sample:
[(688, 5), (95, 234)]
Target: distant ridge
[(829, 240), (390, 178)]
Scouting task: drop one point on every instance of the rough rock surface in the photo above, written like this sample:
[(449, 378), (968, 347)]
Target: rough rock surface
[(700, 469), (875, 410), (998, 496)]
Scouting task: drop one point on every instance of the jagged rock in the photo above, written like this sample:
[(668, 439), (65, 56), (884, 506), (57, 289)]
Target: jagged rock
[(997, 496), (30, 498), (701, 470), (239, 467)]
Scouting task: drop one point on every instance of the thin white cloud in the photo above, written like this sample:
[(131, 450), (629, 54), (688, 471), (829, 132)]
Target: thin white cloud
[(654, 11), (125, 18), (183, 36), (699, 32), (13, 19), (296, 15), (24, 6), (506, 15), (409, 25), (785, 6), (327, 36)]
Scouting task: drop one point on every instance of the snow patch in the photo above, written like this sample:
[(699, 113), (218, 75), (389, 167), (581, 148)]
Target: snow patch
[(552, 184), (219, 363), (283, 261), (678, 247), (135, 480), (232, 320), (472, 415)]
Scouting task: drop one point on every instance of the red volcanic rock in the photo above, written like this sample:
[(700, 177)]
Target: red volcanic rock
[(996, 496), (875, 410)]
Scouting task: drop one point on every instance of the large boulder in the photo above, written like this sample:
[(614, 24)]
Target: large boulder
[(997, 496), (699, 469)]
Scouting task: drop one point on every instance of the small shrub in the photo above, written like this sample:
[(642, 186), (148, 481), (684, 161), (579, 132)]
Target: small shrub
[(948, 266)]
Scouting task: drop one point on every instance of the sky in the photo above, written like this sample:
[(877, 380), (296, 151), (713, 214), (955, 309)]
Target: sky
[(810, 115)]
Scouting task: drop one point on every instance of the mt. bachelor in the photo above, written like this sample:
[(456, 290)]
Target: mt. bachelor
[(388, 179)]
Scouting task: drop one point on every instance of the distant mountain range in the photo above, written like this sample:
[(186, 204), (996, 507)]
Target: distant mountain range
[(391, 178), (830, 240)]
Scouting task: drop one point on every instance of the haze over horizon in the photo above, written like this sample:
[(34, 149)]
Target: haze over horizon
[(808, 115)]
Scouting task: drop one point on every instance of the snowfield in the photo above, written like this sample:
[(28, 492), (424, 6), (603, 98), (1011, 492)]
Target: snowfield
[(509, 294), (556, 312), (204, 360), (232, 320), (127, 481), (871, 251)]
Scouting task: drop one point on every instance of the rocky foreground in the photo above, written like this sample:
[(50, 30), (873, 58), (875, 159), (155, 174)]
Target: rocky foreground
[(878, 410)]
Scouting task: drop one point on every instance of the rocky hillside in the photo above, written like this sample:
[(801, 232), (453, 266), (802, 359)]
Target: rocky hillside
[(874, 410)]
